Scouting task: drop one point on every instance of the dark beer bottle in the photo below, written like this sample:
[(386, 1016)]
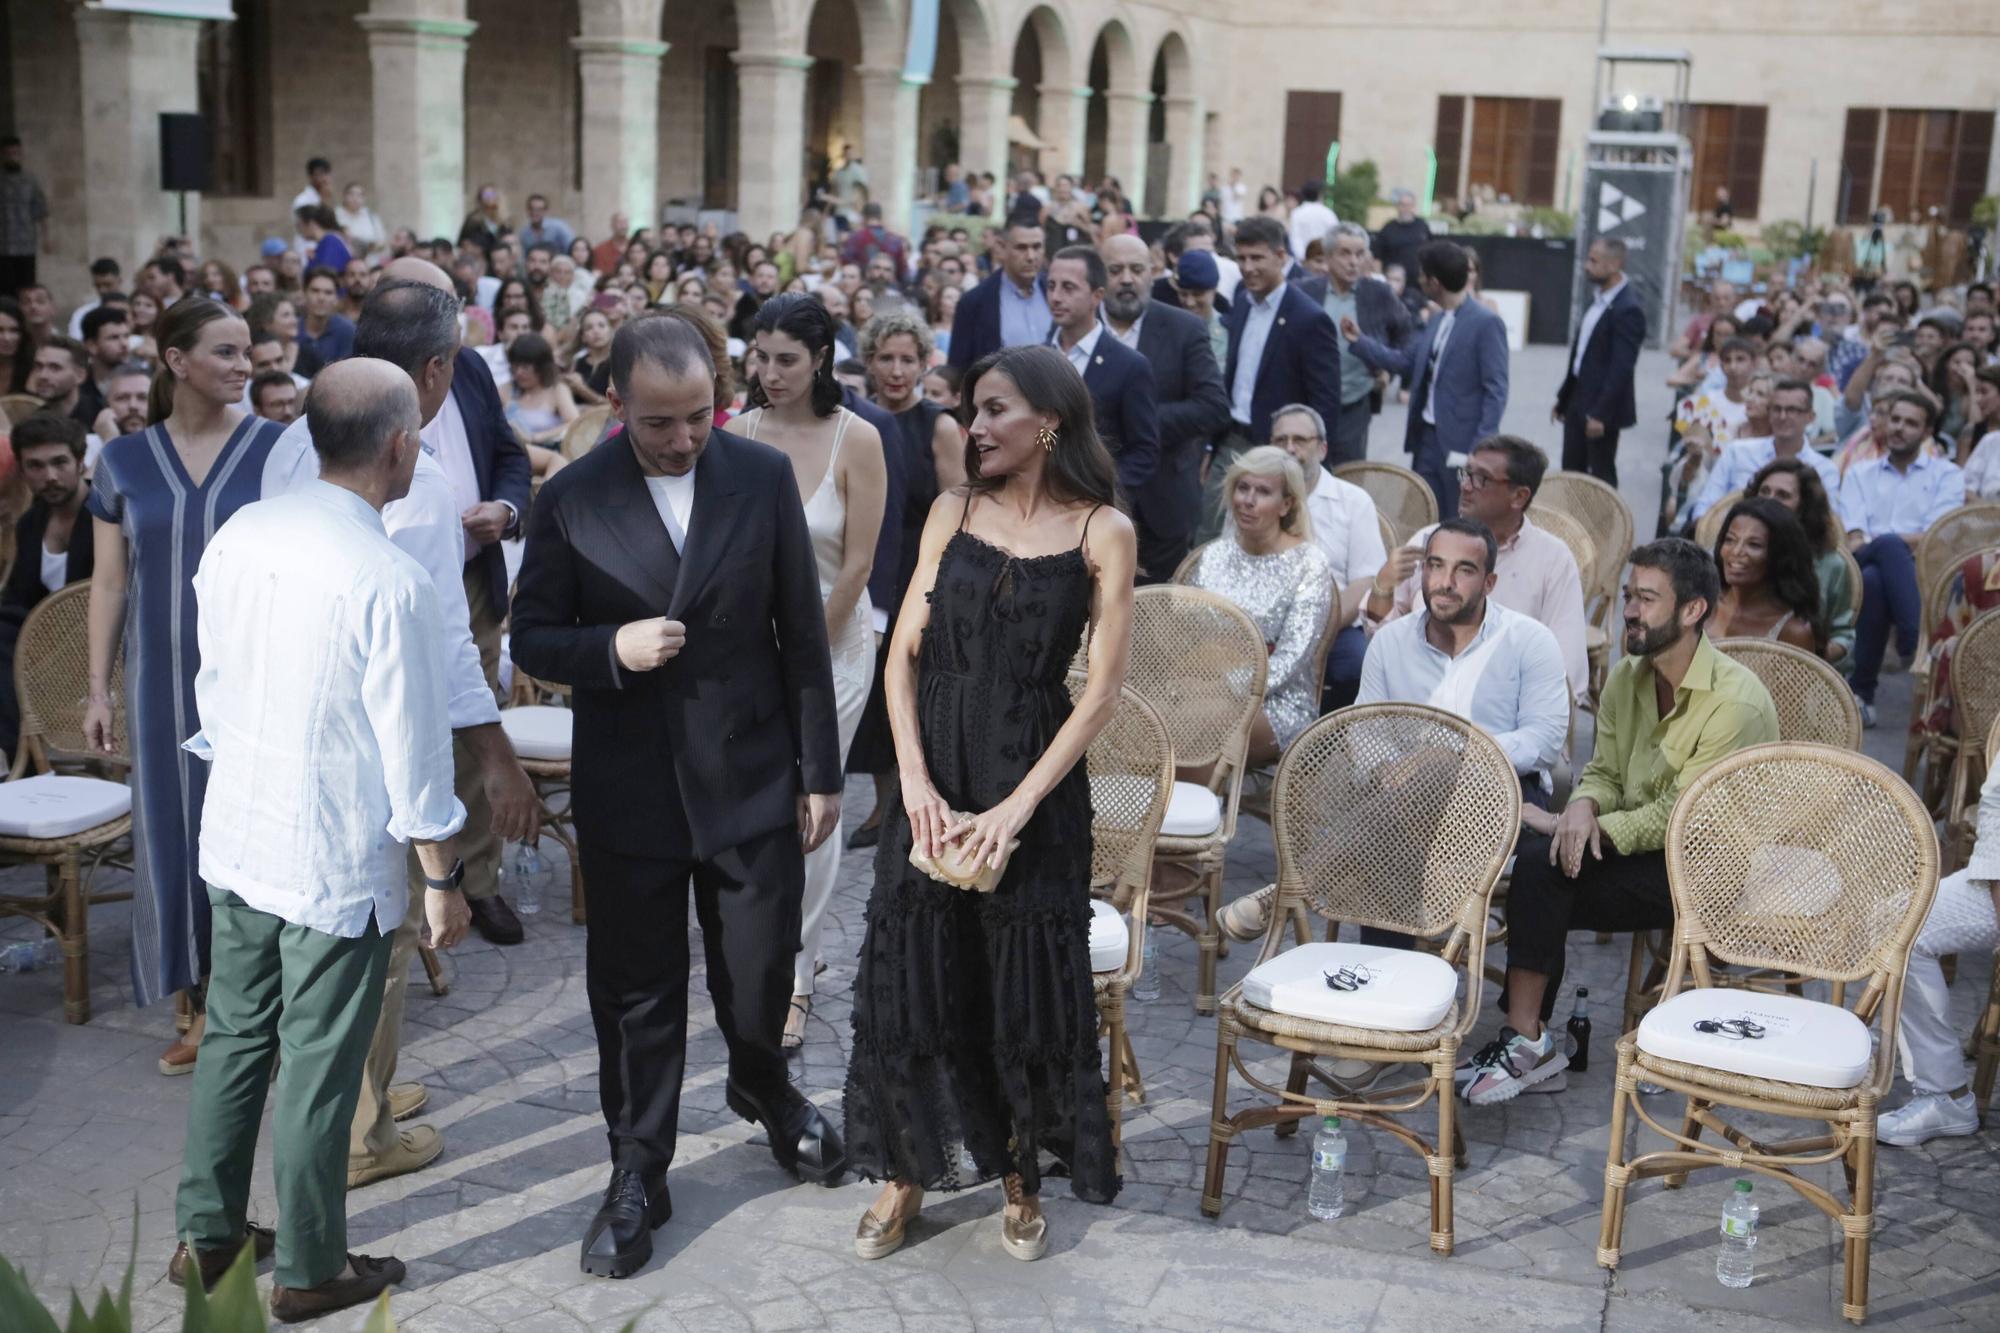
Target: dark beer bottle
[(1578, 1029)]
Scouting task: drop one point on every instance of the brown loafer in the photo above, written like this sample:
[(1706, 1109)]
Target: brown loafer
[(360, 1282), (179, 1057), (214, 1263)]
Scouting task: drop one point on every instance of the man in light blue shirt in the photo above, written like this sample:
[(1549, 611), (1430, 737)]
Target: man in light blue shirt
[(1791, 416), (543, 229), (1887, 504)]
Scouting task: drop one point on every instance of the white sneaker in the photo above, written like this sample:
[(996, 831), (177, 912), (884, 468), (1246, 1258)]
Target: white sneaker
[(1513, 1064), (1927, 1116)]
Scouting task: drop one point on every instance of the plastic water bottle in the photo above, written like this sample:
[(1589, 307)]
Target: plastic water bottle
[(527, 873), (30, 955), (1327, 1198), (1736, 1262), (1147, 988)]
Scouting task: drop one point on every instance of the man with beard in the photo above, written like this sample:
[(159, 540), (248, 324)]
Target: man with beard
[(1671, 708), (1348, 294), (1120, 380), (1191, 403), (124, 405), (51, 541)]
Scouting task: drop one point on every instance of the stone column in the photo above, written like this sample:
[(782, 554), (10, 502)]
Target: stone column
[(771, 124), (889, 140), (1186, 166), (130, 68), (1125, 120), (1060, 123), (419, 112), (620, 77), (984, 107)]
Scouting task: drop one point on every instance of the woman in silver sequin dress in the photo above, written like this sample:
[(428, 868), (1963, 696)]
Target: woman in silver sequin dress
[(1270, 568)]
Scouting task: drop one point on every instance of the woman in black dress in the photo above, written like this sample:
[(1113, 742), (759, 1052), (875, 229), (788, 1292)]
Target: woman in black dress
[(928, 449), (975, 1032)]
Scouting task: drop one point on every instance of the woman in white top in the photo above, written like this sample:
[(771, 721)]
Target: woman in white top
[(364, 230), (837, 461), (1981, 460)]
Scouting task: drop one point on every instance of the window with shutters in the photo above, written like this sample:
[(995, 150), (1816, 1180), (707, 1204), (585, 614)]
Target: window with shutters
[(1312, 123), (1911, 161), (1728, 154), (233, 90), (1507, 145)]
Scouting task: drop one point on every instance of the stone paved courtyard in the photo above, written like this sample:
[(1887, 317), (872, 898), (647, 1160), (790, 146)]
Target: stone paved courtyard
[(490, 1230)]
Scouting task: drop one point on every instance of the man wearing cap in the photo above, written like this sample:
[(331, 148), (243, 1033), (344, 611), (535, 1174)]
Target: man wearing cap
[(1195, 282)]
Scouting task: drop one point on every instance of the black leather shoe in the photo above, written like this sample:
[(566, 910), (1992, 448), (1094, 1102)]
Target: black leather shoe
[(802, 1139), (619, 1241), (492, 918), (212, 1264)]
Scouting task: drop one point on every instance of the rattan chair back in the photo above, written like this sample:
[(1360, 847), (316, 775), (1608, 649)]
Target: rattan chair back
[(1853, 578), (52, 680), (1813, 700), (18, 407), (1582, 546), (1131, 767), (1709, 526), (1399, 816), (1950, 540), (1604, 515), (582, 435), (1184, 571), (1809, 859), (1400, 495), (1975, 676), (1390, 540), (1201, 663)]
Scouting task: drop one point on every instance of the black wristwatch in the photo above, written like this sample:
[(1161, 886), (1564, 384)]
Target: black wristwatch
[(451, 883)]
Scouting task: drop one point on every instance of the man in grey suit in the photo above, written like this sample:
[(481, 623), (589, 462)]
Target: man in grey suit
[(1346, 294), (1192, 404), (1458, 368)]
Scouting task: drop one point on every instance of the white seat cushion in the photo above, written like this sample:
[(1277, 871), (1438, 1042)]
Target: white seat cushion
[(55, 805), (1804, 1041), (1109, 935), (1192, 812), (1407, 991), (538, 731)]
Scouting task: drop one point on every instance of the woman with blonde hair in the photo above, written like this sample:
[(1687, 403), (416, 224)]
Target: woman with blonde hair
[(1267, 563)]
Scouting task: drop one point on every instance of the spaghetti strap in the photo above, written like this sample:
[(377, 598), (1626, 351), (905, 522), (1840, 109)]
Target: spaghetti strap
[(839, 434), (755, 424), (966, 512), (1084, 536)]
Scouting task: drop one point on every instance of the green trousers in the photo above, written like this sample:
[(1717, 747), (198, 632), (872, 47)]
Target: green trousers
[(275, 988)]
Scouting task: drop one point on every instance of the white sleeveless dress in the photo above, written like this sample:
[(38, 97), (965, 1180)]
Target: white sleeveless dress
[(853, 652)]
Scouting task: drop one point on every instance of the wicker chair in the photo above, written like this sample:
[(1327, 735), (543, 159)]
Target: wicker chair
[(1401, 817), (1389, 541), (1813, 700), (584, 432), (1582, 546), (1986, 1037), (49, 675), (1200, 662), (540, 733), (1975, 694), (1606, 517), (1400, 495), (1935, 752), (16, 407), (1859, 868), (1131, 766), (1709, 526), (1949, 541)]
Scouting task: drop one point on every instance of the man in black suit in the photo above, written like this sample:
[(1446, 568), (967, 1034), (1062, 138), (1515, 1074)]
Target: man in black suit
[(1187, 389), (1596, 400), (1010, 308), (669, 581), (52, 541), (1119, 379), (1345, 294), (1282, 349)]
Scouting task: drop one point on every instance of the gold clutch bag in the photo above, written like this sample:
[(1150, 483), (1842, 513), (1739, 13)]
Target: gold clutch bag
[(953, 864)]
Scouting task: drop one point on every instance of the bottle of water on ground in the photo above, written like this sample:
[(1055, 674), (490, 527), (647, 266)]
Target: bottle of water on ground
[(1147, 988), (1736, 1262), (30, 955), (1327, 1197), (525, 872)]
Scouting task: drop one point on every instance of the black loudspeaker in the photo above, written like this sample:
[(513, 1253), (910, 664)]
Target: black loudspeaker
[(183, 151)]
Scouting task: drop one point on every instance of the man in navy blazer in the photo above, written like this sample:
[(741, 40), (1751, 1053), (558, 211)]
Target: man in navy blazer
[(1344, 291), (1457, 365), (1596, 400), (1010, 308), (1282, 349), (1119, 379)]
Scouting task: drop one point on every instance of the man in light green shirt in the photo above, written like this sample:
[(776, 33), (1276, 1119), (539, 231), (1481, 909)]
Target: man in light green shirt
[(1672, 707)]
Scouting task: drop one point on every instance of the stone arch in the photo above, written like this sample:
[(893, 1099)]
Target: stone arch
[(1175, 161), (1116, 114), (962, 111), (1046, 93)]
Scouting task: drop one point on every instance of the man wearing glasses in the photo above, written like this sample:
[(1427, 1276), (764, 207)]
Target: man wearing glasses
[(1791, 416)]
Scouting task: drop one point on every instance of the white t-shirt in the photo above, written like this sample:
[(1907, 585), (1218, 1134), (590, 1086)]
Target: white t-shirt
[(1982, 470), (674, 498), (55, 569)]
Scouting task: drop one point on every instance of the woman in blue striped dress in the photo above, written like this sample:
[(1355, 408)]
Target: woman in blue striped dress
[(157, 497)]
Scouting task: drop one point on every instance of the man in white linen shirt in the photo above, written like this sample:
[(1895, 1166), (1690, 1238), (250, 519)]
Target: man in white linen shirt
[(321, 696), (413, 325)]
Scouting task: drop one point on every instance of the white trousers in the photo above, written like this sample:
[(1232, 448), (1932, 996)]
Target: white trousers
[(1961, 922), (853, 676)]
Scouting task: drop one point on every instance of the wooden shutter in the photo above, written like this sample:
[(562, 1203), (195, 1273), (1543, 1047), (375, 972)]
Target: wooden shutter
[(1857, 165), (1968, 183), (1746, 160), (1312, 122), (1544, 127), (1902, 145), (1450, 146)]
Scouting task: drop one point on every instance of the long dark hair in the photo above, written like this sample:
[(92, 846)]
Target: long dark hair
[(804, 320), (178, 329), (1788, 560), (1079, 467), (532, 349), (24, 354), (1815, 516), (1941, 381)]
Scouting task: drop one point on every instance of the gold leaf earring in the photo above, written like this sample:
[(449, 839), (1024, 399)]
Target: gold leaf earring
[(1047, 439)]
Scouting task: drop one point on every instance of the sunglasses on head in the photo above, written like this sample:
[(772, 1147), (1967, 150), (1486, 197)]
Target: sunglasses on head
[(1736, 1029)]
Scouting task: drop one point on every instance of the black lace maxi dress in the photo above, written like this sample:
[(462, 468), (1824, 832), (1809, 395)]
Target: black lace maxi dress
[(975, 1031)]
